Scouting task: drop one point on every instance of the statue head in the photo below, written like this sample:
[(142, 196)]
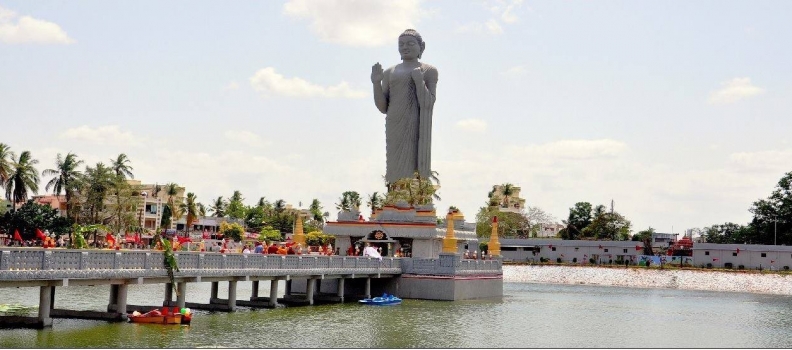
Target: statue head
[(411, 33)]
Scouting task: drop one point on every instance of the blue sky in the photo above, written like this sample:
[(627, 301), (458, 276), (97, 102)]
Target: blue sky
[(679, 111)]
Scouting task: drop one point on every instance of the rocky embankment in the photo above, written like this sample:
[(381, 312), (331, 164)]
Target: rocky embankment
[(746, 282)]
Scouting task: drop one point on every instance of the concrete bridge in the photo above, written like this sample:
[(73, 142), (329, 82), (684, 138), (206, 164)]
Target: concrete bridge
[(345, 276)]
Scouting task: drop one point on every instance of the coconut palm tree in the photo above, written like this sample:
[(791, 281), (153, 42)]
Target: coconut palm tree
[(94, 187), (191, 208), (172, 189), (316, 210), (280, 205), (218, 207), (23, 178), (121, 166), (6, 162), (66, 175), (375, 201), (507, 190)]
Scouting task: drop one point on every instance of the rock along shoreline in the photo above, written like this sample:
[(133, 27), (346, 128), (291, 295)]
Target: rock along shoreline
[(722, 281)]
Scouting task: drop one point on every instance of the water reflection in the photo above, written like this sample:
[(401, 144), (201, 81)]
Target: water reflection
[(529, 315)]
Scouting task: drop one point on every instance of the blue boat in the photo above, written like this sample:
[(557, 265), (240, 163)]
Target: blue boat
[(385, 299)]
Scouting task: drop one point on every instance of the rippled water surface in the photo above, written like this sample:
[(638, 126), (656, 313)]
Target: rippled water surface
[(529, 315)]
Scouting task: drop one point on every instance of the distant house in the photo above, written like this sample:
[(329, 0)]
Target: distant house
[(55, 202), (576, 251)]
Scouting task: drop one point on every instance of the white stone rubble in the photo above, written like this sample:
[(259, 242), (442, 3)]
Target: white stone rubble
[(746, 282)]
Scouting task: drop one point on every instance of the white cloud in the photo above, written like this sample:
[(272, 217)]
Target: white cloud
[(763, 161), (25, 29), (269, 83), (507, 16), (102, 135), (357, 22), (231, 86), (734, 90), (577, 149), (494, 27), (516, 70), (476, 125), (245, 137)]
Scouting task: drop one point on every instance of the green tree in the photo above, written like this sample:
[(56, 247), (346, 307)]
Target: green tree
[(643, 234), (121, 166), (123, 206), (510, 224), (172, 190), (236, 209), (167, 214), (375, 201), (607, 226), (95, 187), (730, 233), (190, 208), (579, 217), (232, 230), (269, 234), (23, 178), (31, 216), (507, 190), (772, 217), (255, 218), (6, 163), (218, 207), (66, 178)]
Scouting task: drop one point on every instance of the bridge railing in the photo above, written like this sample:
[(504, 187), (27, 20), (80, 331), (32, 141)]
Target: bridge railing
[(35, 259), (451, 264)]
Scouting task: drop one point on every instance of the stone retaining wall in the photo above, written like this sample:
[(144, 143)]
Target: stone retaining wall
[(766, 283)]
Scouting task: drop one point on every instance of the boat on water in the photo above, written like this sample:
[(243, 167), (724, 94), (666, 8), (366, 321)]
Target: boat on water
[(166, 316), (385, 299)]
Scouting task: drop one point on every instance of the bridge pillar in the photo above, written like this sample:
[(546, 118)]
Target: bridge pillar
[(273, 298), (168, 294), (255, 292), (309, 290), (288, 287), (52, 298), (215, 287), (368, 287), (232, 295), (113, 296), (121, 298), (181, 294), (341, 289), (45, 304)]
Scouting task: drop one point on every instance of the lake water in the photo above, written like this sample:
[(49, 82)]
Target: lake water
[(529, 315)]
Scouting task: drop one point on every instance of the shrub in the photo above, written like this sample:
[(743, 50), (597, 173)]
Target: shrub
[(574, 260), (728, 265), (709, 265), (269, 234), (558, 260), (741, 267), (233, 230), (316, 238), (592, 261), (786, 268)]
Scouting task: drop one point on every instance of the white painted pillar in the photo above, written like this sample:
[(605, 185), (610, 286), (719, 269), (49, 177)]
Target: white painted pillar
[(341, 289), (181, 295), (309, 290), (232, 295), (273, 298), (45, 303), (121, 298)]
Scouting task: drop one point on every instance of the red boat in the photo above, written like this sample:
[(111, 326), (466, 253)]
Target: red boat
[(165, 316)]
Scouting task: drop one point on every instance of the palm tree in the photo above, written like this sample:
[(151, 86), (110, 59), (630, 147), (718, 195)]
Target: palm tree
[(191, 208), (218, 207), (66, 175), (94, 186), (121, 166), (280, 205), (172, 189), (507, 190), (316, 210), (375, 202), (6, 162), (201, 209), (23, 177), (262, 202)]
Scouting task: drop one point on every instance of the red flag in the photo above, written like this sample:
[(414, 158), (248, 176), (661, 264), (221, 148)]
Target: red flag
[(715, 259), (183, 240), (550, 246), (738, 250), (600, 246), (17, 237), (637, 247), (772, 261), (137, 238), (40, 235)]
